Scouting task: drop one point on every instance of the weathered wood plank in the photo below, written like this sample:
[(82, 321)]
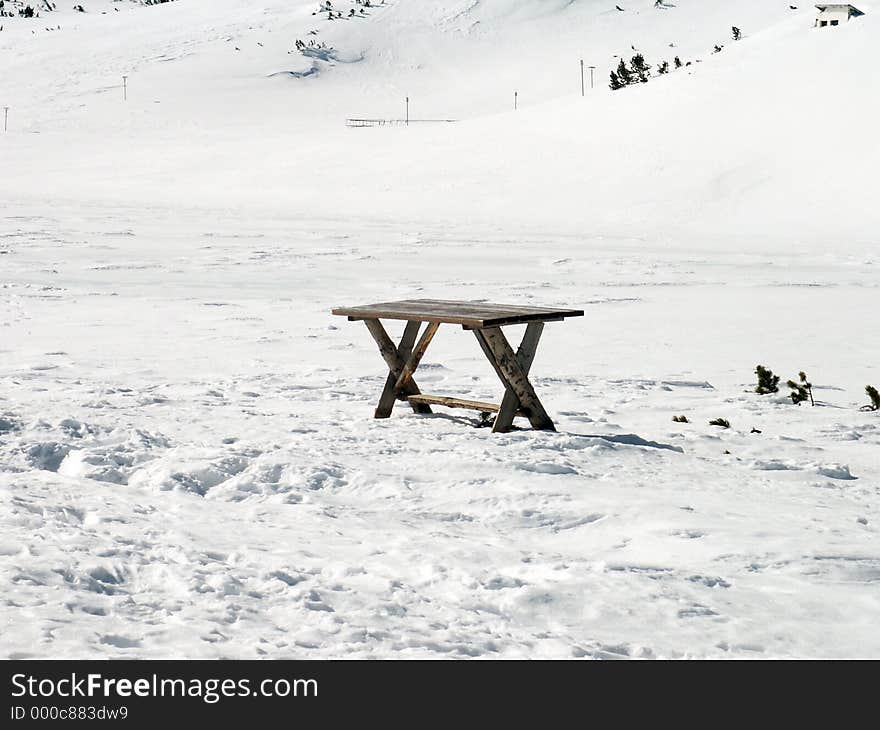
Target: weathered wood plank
[(504, 360), (442, 400), (505, 323), (467, 314), (525, 356), (416, 357), (387, 348), (394, 358)]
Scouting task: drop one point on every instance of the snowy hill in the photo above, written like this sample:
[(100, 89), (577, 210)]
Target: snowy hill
[(188, 463), (712, 147)]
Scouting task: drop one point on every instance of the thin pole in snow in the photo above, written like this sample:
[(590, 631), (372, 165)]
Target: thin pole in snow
[(592, 68), (5, 118), (515, 100), (407, 111), (583, 90), (125, 88)]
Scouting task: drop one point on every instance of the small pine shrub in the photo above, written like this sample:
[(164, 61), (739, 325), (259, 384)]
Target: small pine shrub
[(767, 381), (722, 422), (874, 405), (680, 419), (624, 74), (640, 68), (801, 391)]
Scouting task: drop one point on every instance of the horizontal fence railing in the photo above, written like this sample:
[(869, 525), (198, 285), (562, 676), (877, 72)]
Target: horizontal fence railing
[(394, 122)]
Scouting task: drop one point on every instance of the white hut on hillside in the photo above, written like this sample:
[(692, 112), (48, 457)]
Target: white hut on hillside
[(835, 14)]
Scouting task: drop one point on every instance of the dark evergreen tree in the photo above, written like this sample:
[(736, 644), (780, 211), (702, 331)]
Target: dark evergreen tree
[(677, 62), (640, 68), (767, 381), (875, 399), (624, 74), (737, 33), (616, 83), (801, 391), (663, 68)]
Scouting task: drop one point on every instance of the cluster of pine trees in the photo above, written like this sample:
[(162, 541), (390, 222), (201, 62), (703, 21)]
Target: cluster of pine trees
[(26, 12), (638, 72), (802, 389), (326, 6)]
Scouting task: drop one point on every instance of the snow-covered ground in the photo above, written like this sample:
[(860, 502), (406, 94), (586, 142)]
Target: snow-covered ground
[(188, 463)]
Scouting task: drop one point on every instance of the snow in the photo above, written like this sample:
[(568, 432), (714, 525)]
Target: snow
[(188, 463)]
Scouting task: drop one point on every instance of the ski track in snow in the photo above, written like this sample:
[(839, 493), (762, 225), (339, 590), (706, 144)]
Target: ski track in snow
[(189, 467)]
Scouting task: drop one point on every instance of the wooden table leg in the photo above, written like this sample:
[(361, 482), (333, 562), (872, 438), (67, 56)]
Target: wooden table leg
[(512, 368), (525, 356), (397, 358), (415, 358)]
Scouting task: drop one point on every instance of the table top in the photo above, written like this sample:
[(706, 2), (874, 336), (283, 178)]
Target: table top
[(467, 314)]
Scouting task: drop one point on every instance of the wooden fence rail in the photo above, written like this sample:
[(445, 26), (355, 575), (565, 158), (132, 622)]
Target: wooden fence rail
[(394, 122)]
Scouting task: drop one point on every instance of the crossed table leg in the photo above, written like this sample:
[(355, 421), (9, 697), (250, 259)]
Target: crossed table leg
[(512, 369)]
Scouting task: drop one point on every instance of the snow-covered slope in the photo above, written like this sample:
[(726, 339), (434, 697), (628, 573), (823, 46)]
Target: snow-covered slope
[(776, 130), (188, 464)]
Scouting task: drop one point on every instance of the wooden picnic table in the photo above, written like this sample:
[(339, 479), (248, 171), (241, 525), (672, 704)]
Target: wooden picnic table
[(485, 320)]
